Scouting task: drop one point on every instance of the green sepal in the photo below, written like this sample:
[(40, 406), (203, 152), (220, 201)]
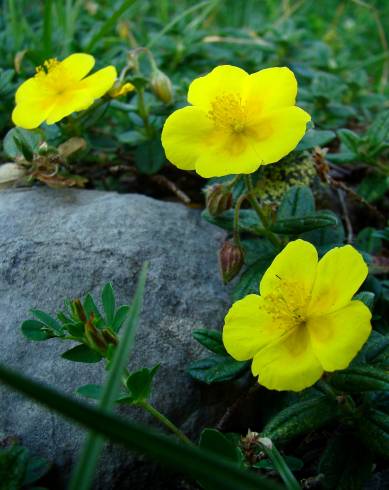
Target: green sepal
[(217, 368)]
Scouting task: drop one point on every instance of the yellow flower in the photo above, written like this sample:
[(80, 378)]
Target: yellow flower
[(121, 89), (60, 88), (304, 321), (236, 122)]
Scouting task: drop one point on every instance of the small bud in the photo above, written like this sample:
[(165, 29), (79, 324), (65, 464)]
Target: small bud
[(231, 258), (218, 199), (78, 310), (109, 336), (95, 338), (120, 89), (161, 86)]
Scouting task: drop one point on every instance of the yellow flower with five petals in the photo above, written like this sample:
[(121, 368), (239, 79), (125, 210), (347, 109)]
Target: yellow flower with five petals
[(236, 122), (304, 322), (60, 88)]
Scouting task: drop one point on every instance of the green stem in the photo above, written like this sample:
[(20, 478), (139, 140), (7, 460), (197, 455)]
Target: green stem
[(165, 421), (257, 208), (279, 464), (229, 185), (235, 232)]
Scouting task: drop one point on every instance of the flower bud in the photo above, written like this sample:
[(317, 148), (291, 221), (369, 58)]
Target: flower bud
[(231, 258), (78, 310), (109, 336), (120, 89), (161, 86), (94, 337), (218, 199)]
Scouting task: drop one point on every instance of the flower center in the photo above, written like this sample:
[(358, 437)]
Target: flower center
[(228, 112), (53, 77), (288, 303)]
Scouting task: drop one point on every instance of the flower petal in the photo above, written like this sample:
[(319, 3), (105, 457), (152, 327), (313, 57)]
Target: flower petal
[(296, 264), (271, 89), (289, 364), (29, 91), (340, 273), (67, 103), (78, 65), (224, 79), (100, 82), (184, 137), (31, 115), (248, 328), (278, 133), (337, 337)]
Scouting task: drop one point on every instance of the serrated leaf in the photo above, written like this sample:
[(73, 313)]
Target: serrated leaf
[(82, 353), (215, 369), (211, 339), (301, 418), (34, 330), (108, 300)]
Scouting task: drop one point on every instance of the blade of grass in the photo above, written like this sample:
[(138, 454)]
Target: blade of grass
[(176, 19), (108, 24), (83, 474), (137, 437)]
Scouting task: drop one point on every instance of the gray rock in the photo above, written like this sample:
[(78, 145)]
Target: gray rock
[(57, 244)]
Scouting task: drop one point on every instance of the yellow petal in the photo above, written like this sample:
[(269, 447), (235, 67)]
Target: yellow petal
[(340, 273), (184, 137), (271, 89), (295, 265), (100, 82), (278, 133), (29, 91), (69, 102), (225, 79), (31, 115), (78, 65), (248, 328), (337, 337), (289, 364)]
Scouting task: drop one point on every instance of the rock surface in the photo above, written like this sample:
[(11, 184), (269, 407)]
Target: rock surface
[(57, 244)]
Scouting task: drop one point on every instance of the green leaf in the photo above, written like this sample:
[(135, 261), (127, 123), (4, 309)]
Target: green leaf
[(108, 300), (373, 429), (215, 369), (295, 226), (366, 297), (51, 323), (345, 464), (36, 469), (149, 157), (190, 460), (92, 391), (20, 142), (297, 202), (82, 353), (83, 473), (139, 384), (249, 281), (76, 329), (120, 316), (350, 140), (295, 464), (368, 241), (90, 307), (248, 221), (301, 418), (360, 378), (211, 339), (373, 187), (34, 330), (13, 465), (315, 137), (216, 442)]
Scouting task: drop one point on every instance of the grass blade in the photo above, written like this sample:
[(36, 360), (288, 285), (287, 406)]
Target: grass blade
[(83, 474), (137, 437), (108, 24)]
